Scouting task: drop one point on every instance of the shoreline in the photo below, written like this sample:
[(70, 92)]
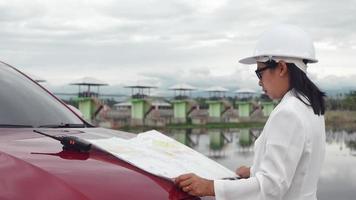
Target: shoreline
[(334, 120)]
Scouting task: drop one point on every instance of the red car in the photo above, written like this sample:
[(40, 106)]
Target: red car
[(34, 166)]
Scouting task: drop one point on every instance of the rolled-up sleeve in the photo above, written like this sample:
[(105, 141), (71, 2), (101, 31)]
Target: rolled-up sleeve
[(285, 139)]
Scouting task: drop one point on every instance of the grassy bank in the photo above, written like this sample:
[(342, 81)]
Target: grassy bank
[(335, 120), (341, 119), (217, 125), (139, 129)]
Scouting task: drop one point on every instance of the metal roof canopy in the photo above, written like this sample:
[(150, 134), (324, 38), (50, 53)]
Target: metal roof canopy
[(182, 86), (216, 92), (140, 90), (183, 90), (216, 89), (88, 81), (245, 91)]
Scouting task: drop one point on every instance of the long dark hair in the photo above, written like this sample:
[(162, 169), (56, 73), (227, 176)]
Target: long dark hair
[(303, 86)]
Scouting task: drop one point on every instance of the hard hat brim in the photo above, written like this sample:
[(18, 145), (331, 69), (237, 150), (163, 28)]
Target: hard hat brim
[(253, 60), (248, 60)]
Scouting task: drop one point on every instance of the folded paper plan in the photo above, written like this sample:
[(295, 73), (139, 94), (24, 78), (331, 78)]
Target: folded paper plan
[(163, 156)]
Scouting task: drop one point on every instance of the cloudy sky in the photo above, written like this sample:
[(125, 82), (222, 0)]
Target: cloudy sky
[(164, 42)]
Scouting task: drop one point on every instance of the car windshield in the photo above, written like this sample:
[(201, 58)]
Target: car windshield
[(24, 104)]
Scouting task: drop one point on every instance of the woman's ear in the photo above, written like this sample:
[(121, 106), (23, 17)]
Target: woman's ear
[(283, 71)]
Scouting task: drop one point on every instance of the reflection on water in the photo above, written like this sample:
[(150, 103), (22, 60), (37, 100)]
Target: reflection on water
[(217, 141), (234, 147), (185, 136), (337, 179)]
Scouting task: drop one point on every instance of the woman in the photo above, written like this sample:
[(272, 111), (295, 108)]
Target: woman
[(290, 150)]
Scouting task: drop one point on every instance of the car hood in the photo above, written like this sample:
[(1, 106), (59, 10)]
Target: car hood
[(33, 166)]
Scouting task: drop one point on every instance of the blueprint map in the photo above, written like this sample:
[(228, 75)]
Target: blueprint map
[(163, 156)]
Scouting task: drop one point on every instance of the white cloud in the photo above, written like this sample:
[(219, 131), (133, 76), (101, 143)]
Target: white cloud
[(170, 41), (205, 6)]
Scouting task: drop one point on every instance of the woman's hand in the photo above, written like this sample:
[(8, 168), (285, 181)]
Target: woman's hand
[(195, 185), (243, 172)]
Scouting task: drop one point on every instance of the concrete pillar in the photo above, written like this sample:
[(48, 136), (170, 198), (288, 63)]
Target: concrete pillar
[(267, 108), (138, 110), (180, 109), (215, 108), (244, 108), (87, 107)]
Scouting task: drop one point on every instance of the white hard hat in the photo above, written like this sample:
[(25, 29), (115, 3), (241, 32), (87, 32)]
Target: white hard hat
[(283, 42)]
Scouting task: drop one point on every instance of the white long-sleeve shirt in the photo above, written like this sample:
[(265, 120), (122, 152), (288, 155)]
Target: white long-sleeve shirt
[(288, 157)]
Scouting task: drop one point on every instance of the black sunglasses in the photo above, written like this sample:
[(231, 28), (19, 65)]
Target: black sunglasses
[(259, 71)]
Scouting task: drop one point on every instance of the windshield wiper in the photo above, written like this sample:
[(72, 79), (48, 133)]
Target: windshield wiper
[(63, 126), (15, 126)]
